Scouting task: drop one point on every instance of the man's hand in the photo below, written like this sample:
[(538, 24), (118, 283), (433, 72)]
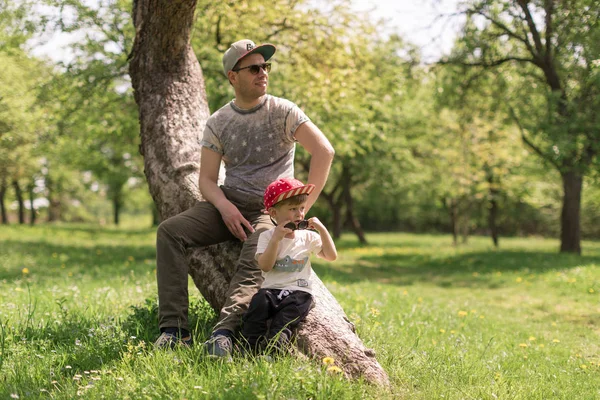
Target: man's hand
[(235, 221)]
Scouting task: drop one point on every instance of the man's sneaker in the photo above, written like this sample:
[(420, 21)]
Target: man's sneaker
[(170, 340), (219, 346)]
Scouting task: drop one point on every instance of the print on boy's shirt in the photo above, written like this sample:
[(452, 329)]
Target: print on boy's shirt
[(287, 264)]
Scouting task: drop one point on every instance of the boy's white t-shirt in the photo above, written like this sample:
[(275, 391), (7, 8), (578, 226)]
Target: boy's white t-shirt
[(292, 270)]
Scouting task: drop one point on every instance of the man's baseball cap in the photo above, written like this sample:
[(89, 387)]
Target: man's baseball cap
[(284, 188), (241, 49)]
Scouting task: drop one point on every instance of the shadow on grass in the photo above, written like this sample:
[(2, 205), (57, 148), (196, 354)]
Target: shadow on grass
[(99, 262), (461, 270)]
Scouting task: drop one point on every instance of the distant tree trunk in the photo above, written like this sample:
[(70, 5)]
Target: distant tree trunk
[(20, 201), (334, 201), (493, 210), (117, 201), (31, 207), (2, 202), (155, 216), (451, 208), (54, 206), (169, 90), (116, 210), (347, 196), (570, 234)]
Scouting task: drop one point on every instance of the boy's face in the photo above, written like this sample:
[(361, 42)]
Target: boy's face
[(288, 212)]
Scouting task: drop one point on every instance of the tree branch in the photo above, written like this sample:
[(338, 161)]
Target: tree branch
[(532, 27), (549, 7), (530, 143), (510, 33), (493, 63)]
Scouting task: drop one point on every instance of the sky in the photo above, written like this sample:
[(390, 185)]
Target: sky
[(421, 22), (425, 23)]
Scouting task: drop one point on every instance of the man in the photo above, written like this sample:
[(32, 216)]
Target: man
[(254, 135)]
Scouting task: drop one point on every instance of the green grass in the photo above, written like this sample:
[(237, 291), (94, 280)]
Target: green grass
[(78, 316)]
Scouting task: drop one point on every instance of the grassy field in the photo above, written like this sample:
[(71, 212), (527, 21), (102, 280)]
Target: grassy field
[(78, 316)]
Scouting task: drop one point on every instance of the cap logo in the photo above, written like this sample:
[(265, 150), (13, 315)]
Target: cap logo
[(249, 46)]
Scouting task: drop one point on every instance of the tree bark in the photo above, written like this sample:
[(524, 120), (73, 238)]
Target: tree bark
[(20, 201), (570, 234), (3, 212), (169, 90)]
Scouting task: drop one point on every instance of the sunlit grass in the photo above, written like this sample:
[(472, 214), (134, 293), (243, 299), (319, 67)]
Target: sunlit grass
[(78, 317)]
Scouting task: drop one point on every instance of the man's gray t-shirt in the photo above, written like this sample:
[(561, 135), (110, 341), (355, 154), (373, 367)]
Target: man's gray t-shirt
[(257, 145)]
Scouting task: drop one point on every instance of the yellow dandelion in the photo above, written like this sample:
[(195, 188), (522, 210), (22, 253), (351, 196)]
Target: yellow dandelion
[(578, 355), (25, 271), (554, 324), (481, 316), (519, 279), (18, 289), (420, 299), (473, 311), (572, 280), (583, 366), (452, 331), (522, 344), (462, 313), (542, 345), (374, 311), (332, 369), (328, 361), (531, 338), (555, 341), (591, 290), (442, 331), (405, 292), (525, 357)]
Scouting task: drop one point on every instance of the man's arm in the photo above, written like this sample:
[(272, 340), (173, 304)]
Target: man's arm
[(321, 152), (210, 162)]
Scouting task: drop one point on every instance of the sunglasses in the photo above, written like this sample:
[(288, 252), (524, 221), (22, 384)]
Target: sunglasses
[(301, 225), (255, 68)]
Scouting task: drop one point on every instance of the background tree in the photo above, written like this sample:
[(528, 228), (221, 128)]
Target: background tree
[(552, 46)]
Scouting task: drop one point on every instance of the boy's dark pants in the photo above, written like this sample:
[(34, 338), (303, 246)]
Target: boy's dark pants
[(200, 226), (285, 312)]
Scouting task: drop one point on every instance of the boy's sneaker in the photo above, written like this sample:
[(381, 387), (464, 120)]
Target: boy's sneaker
[(219, 346), (170, 340)]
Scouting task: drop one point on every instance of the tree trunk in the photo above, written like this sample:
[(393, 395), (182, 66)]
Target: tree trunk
[(54, 205), (493, 211), (155, 216), (347, 196), (169, 90), (19, 196), (570, 234), (452, 212), (3, 212), (32, 208)]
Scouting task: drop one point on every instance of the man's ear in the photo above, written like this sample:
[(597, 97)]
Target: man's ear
[(232, 76)]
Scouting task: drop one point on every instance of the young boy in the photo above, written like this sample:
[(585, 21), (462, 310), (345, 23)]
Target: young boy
[(283, 255)]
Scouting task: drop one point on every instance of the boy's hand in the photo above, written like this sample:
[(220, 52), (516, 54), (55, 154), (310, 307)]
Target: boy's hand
[(281, 231), (314, 223)]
